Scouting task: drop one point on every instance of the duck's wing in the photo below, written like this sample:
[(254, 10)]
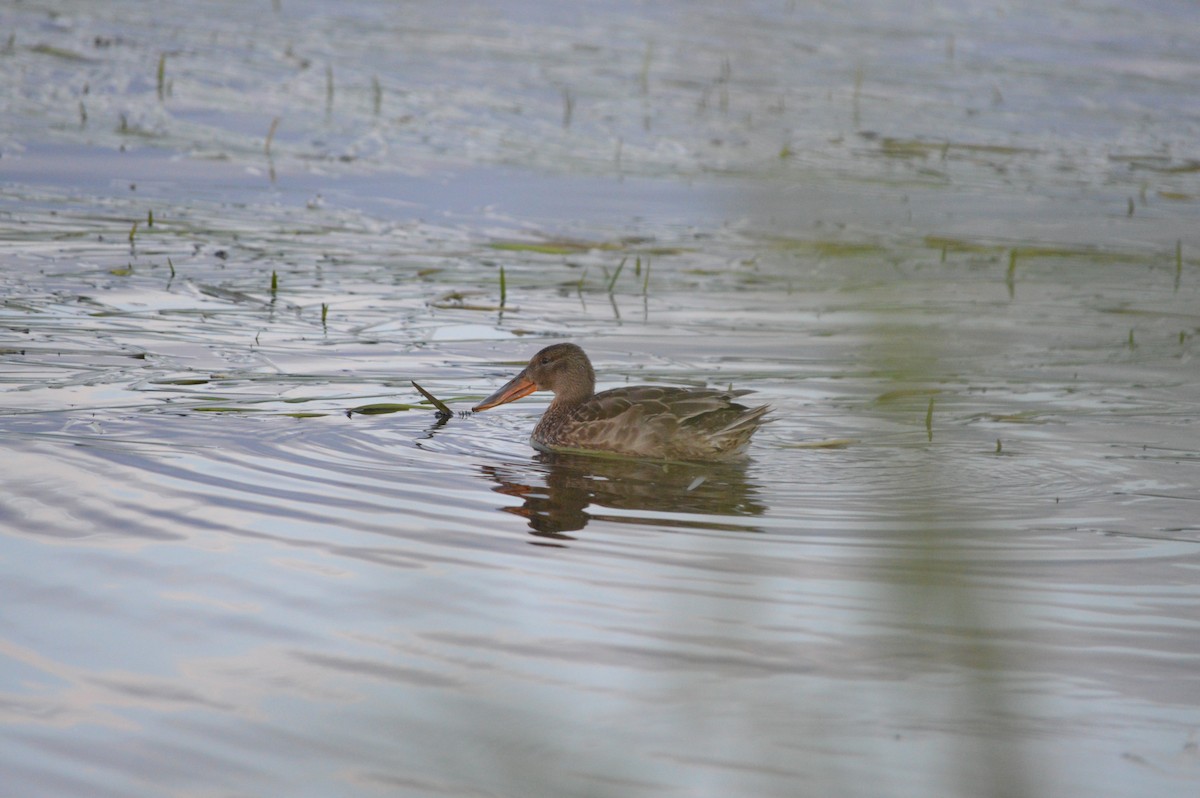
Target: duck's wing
[(653, 421)]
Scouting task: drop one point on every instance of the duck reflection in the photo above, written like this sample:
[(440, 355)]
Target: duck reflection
[(561, 493)]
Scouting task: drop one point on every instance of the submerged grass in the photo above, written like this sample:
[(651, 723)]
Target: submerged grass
[(827, 248), (923, 148), (559, 247)]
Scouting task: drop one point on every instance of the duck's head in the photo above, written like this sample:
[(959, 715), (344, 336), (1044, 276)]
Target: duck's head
[(563, 369)]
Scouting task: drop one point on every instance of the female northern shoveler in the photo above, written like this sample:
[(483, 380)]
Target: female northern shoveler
[(643, 421)]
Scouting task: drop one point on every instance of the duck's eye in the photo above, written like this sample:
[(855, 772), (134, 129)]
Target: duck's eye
[(545, 360)]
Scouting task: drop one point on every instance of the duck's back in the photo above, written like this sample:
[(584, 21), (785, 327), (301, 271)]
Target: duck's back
[(651, 421)]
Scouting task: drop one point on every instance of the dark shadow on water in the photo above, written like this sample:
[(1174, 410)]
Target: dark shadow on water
[(562, 493)]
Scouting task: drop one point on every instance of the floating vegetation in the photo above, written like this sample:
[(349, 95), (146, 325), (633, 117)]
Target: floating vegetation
[(1159, 163), (901, 394), (381, 408), (1088, 253), (923, 148), (181, 381), (960, 245), (561, 247), (828, 248), (61, 52), (160, 78), (503, 291)]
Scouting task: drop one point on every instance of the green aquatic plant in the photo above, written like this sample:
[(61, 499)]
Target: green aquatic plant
[(161, 76), (60, 52), (947, 244), (613, 281), (541, 248), (503, 289), (380, 408)]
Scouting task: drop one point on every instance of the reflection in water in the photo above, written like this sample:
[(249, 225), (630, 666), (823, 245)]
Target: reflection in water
[(571, 483)]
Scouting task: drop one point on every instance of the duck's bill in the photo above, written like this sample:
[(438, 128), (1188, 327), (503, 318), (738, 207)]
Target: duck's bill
[(517, 387)]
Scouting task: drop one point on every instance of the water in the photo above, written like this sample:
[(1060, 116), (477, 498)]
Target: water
[(962, 559)]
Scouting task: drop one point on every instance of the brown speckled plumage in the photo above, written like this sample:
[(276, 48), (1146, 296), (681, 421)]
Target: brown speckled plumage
[(642, 421)]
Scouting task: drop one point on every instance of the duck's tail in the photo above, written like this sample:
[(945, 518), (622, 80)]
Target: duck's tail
[(732, 438)]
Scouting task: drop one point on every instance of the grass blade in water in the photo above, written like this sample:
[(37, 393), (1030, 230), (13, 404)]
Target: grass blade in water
[(438, 403)]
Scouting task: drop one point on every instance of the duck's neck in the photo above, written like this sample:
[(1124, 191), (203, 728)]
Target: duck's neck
[(561, 406), (576, 391)]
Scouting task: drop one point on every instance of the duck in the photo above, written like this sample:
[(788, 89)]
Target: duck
[(643, 421)]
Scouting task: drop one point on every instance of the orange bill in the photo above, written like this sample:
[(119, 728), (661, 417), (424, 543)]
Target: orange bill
[(514, 389)]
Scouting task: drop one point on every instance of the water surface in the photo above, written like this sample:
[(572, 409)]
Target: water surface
[(954, 251)]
